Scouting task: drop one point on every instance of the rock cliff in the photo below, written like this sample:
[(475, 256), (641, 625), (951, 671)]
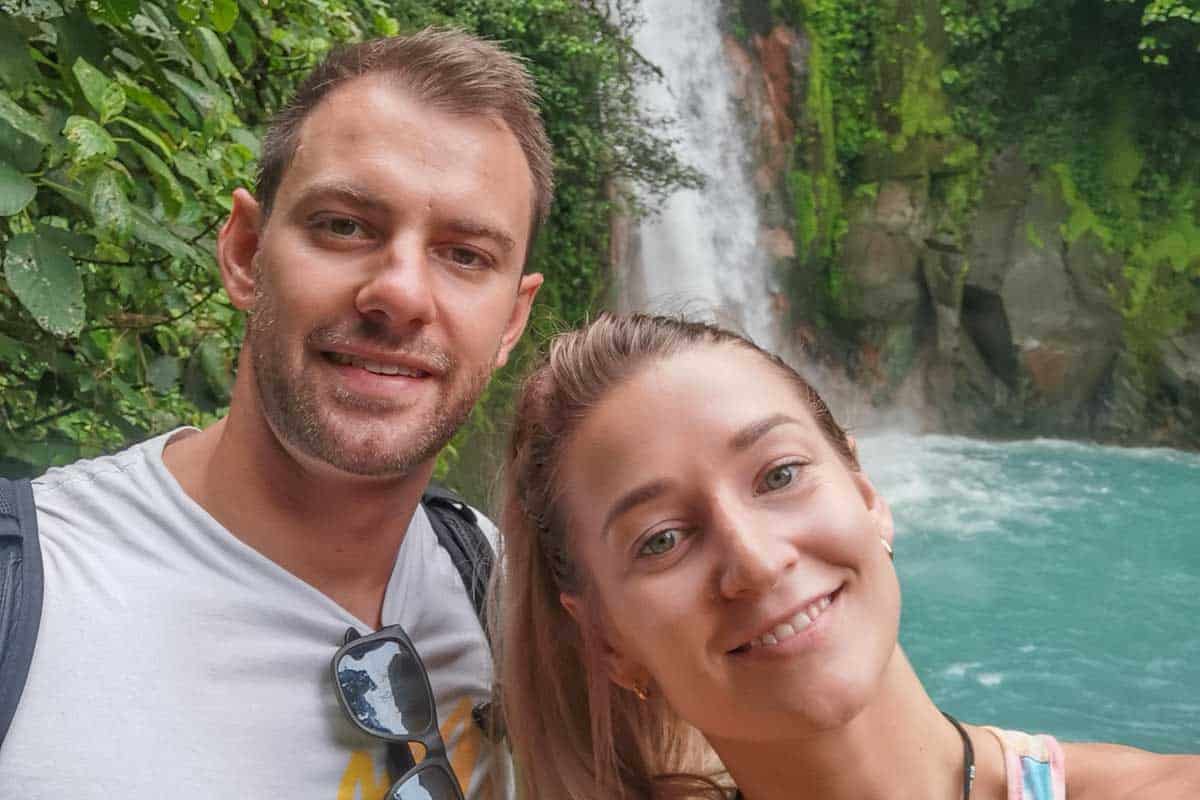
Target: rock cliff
[(972, 281)]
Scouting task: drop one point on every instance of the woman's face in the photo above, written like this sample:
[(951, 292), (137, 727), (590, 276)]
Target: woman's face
[(733, 558)]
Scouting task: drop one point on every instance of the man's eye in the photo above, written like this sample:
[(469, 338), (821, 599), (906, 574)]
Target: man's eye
[(661, 542), (464, 257), (341, 226), (778, 477)]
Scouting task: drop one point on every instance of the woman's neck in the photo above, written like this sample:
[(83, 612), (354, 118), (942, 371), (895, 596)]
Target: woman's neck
[(899, 747)]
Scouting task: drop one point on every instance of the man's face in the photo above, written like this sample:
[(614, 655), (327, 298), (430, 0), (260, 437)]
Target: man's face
[(387, 281)]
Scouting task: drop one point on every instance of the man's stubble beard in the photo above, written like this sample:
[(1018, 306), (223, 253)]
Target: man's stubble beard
[(294, 411)]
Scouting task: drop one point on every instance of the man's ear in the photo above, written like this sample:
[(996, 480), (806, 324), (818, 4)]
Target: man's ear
[(237, 245), (622, 670), (527, 290)]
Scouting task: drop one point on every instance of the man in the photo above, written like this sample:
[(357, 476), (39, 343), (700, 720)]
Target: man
[(197, 585)]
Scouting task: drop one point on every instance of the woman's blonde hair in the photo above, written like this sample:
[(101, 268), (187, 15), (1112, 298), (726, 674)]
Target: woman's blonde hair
[(573, 736)]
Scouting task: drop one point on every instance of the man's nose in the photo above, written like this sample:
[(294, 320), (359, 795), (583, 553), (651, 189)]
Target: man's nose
[(399, 290), (754, 554)]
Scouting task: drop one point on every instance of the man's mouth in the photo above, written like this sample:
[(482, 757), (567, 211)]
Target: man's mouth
[(792, 626), (376, 367)]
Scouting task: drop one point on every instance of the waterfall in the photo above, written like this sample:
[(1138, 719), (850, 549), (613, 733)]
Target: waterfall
[(702, 253)]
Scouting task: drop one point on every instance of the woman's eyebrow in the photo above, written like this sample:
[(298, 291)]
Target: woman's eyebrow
[(756, 430), (633, 498)]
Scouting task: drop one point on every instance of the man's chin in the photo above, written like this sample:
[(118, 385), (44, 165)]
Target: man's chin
[(373, 447)]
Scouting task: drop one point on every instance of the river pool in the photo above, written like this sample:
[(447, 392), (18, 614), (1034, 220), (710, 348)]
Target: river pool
[(1050, 586)]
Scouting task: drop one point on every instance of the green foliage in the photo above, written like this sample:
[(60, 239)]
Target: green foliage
[(126, 124), (1099, 97), (1091, 96)]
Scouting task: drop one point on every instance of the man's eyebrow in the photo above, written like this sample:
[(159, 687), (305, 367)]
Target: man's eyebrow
[(633, 498), (345, 191), (470, 227), (756, 430)]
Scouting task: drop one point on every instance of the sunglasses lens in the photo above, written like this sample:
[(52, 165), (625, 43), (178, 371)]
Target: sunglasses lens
[(385, 688), (427, 784)]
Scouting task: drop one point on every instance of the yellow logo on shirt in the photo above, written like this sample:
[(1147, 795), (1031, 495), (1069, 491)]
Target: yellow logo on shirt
[(366, 780)]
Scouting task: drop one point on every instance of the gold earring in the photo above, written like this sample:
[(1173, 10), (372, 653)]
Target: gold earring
[(887, 546), (641, 693)]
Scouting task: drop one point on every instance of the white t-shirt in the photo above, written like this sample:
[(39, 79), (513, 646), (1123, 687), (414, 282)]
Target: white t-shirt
[(175, 661)]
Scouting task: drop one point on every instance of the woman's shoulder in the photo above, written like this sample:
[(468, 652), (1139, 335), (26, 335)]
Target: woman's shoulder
[(1111, 771)]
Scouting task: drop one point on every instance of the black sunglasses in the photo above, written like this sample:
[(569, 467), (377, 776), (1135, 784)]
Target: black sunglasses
[(382, 683)]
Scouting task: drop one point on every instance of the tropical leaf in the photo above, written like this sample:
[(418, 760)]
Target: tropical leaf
[(23, 121), (216, 59), (15, 190), (91, 145), (207, 101), (119, 12), (16, 66), (169, 190), (149, 135), (44, 278), (188, 10), (104, 95), (224, 14), (109, 205), (23, 152)]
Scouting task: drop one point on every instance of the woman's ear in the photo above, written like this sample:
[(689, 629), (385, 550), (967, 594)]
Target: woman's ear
[(879, 508), (622, 670), (237, 247)]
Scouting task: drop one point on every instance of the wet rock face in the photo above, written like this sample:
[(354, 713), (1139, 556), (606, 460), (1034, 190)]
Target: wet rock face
[(1063, 328), (1180, 377), (983, 315), (1019, 329)]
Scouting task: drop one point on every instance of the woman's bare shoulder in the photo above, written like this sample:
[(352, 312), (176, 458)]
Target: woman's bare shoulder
[(1116, 772)]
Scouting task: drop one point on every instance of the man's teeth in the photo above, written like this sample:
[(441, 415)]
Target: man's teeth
[(375, 366), (786, 630)]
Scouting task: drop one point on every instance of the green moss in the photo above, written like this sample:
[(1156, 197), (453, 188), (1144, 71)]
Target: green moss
[(1081, 218), (816, 193), (804, 201), (1034, 237), (922, 109)]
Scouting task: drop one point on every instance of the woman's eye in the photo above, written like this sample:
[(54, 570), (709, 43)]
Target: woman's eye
[(660, 543), (778, 477)]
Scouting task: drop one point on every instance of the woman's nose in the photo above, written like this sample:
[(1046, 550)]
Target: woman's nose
[(755, 557)]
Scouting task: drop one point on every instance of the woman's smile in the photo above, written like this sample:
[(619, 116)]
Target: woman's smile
[(799, 630)]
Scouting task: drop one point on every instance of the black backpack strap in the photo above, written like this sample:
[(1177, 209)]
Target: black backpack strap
[(20, 593), (458, 532)]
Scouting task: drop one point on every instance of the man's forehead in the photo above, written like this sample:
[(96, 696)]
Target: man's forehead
[(354, 110), (377, 116)]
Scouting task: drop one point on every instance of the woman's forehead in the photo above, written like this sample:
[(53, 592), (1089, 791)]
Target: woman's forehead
[(699, 397)]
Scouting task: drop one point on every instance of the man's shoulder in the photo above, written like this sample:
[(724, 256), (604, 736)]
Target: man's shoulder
[(117, 473)]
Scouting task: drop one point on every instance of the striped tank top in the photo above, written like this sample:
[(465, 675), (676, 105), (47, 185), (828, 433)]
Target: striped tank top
[(1033, 765)]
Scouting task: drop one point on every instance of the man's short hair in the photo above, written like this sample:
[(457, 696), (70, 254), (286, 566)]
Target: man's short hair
[(449, 69)]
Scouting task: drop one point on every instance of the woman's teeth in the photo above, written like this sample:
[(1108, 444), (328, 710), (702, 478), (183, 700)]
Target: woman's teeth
[(786, 630)]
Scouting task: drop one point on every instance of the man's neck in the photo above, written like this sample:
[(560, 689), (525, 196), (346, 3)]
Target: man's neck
[(338, 532)]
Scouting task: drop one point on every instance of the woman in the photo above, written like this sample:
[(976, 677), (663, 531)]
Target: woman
[(695, 560)]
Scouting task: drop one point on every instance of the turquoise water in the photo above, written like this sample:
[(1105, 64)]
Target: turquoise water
[(1050, 586)]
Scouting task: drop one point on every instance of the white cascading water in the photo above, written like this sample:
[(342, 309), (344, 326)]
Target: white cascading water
[(701, 254)]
